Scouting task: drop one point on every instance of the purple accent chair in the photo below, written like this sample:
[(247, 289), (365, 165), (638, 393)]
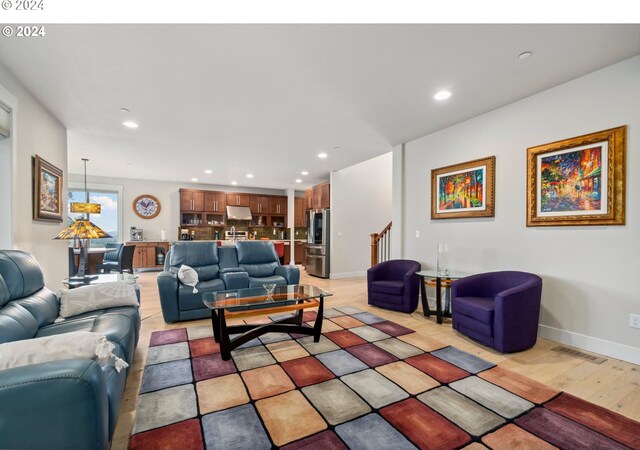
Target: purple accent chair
[(498, 309), (394, 285)]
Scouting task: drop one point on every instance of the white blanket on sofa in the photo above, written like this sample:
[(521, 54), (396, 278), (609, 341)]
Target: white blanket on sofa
[(76, 344), (96, 296)]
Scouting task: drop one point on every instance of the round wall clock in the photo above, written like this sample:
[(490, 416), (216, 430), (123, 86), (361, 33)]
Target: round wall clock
[(146, 206)]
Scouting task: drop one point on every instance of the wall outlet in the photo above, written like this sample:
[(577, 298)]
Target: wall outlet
[(339, 233), (634, 320), (417, 234)]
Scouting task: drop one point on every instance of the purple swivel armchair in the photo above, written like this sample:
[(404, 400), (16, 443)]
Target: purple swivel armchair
[(498, 309), (394, 285)]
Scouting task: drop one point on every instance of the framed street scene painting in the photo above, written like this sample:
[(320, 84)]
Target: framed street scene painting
[(463, 190), (578, 181)]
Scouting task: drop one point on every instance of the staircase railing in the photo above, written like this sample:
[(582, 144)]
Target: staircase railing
[(381, 246)]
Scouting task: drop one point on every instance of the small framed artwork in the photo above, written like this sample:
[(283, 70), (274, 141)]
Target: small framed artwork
[(464, 190), (578, 181), (47, 191)]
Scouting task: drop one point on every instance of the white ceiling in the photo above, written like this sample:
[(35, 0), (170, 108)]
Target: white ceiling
[(266, 99)]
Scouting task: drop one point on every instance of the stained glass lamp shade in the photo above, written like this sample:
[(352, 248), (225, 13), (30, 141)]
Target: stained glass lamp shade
[(85, 207), (83, 229)]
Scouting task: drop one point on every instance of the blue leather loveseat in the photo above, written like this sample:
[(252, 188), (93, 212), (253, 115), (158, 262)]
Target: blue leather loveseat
[(66, 404), (247, 264)]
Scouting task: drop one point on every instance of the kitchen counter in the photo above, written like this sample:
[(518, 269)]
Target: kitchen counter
[(230, 243)]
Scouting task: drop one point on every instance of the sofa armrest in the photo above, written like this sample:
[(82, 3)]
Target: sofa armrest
[(373, 273), (235, 280), (58, 404), (168, 289), (290, 273)]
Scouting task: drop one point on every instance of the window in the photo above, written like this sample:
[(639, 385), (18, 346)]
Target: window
[(108, 219)]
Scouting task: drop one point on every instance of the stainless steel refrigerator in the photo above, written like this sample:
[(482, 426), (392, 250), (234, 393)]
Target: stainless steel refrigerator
[(317, 261)]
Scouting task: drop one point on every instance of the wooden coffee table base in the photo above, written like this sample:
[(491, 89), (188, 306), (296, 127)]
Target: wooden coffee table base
[(293, 324)]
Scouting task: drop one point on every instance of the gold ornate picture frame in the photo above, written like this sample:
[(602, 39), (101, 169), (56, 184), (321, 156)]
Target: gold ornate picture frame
[(464, 190), (578, 181), (48, 183)]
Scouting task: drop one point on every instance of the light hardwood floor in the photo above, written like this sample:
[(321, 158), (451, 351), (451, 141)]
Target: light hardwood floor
[(613, 384)]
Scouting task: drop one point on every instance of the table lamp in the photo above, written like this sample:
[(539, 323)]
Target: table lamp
[(83, 229)]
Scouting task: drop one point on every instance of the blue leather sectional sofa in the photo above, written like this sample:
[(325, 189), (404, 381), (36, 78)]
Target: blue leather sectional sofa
[(67, 404), (247, 264)]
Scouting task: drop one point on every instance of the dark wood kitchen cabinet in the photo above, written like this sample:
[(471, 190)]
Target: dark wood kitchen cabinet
[(238, 199), (259, 204), (308, 199), (322, 196), (278, 205), (215, 202), (191, 200), (299, 220), (300, 252)]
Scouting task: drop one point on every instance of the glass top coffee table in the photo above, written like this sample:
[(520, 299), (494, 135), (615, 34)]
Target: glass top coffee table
[(257, 301)]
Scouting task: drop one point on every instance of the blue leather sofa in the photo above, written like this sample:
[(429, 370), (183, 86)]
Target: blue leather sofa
[(247, 264), (67, 404)]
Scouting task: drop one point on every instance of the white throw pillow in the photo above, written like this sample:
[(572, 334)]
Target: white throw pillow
[(76, 344), (187, 275), (96, 296)]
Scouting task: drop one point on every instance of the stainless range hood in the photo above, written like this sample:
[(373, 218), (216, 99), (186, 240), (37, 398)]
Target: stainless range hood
[(238, 213)]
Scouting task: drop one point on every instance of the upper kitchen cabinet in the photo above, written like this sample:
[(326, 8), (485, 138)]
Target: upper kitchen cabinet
[(191, 200), (215, 202), (238, 199), (308, 199), (278, 205), (322, 196), (299, 213), (259, 204)]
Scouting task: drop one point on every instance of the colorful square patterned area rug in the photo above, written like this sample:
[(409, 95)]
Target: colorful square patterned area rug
[(368, 384)]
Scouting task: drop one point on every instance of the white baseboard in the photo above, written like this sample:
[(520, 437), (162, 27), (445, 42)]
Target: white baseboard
[(592, 344), (336, 276)]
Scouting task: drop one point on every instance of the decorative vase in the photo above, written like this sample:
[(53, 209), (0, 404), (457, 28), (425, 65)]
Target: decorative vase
[(443, 260)]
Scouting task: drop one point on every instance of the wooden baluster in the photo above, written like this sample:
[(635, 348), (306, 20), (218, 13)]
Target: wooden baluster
[(374, 249)]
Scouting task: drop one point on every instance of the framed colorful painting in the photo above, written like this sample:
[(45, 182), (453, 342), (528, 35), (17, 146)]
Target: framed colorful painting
[(47, 191), (578, 181), (463, 190)]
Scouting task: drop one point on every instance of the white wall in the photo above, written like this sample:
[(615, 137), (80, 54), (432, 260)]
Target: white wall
[(168, 195), (590, 273), (361, 197), (397, 236), (37, 132), (6, 179)]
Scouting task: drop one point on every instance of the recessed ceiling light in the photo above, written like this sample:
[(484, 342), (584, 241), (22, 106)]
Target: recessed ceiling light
[(129, 164), (304, 172), (209, 172), (442, 95), (322, 155), (194, 179), (524, 55), (130, 124), (298, 180), (234, 182), (336, 148), (124, 110), (249, 175)]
